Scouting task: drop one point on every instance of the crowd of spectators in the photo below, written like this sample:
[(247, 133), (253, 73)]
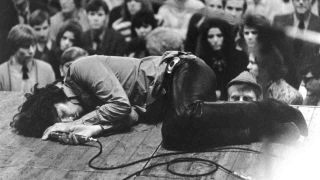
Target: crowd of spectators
[(242, 41)]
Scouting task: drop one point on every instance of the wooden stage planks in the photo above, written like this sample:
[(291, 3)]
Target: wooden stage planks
[(32, 158)]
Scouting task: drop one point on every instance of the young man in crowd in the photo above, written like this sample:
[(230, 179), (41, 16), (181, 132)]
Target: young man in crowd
[(236, 8), (244, 87), (40, 22), (100, 39), (105, 93), (22, 71)]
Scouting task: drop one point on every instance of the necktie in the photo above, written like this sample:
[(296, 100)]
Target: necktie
[(25, 72), (301, 25)]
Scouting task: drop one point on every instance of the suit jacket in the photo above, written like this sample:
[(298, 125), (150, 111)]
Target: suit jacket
[(304, 52)]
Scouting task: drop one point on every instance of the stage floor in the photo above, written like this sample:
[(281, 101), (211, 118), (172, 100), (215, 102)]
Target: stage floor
[(31, 158)]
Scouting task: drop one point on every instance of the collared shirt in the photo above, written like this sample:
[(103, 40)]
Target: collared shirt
[(108, 86), (296, 23)]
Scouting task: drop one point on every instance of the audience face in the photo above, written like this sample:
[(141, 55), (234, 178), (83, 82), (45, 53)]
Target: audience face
[(67, 40), (302, 6), (250, 36), (215, 38), (235, 7), (215, 5), (312, 83), (253, 67), (67, 6), (235, 94), (42, 32), (144, 30), (21, 5), (24, 54), (97, 19), (134, 6)]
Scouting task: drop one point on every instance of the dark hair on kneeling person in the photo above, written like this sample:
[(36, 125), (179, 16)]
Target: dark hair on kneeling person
[(38, 112)]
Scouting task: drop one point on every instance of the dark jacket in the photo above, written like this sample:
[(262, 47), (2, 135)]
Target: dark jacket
[(304, 52), (112, 43)]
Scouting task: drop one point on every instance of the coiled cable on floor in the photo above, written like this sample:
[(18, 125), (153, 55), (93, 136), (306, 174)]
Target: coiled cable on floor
[(214, 166)]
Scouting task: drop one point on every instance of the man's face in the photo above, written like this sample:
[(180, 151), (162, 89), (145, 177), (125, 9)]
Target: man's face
[(24, 54), (250, 36), (134, 6), (42, 32), (97, 19), (67, 6), (302, 6), (215, 38), (68, 111), (235, 8), (67, 40), (215, 5), (312, 83), (235, 94)]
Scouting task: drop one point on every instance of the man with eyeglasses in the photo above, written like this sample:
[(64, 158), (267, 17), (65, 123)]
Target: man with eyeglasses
[(311, 79)]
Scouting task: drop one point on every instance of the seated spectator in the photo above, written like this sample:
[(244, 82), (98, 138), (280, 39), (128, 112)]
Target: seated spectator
[(216, 47), (68, 56), (69, 35), (249, 33), (70, 10), (142, 24), (177, 13), (99, 39), (40, 22), (270, 71), (21, 72), (244, 88), (23, 10), (129, 8), (311, 79), (163, 39), (196, 20)]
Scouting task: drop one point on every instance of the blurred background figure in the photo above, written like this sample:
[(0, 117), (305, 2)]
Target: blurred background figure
[(21, 72), (100, 39), (163, 39), (311, 79), (122, 22), (177, 13), (70, 34), (142, 24), (70, 10), (301, 19), (244, 87)]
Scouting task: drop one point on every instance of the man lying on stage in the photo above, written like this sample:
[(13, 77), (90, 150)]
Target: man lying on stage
[(101, 94)]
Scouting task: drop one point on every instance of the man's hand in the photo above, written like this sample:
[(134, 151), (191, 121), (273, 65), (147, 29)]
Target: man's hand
[(79, 129)]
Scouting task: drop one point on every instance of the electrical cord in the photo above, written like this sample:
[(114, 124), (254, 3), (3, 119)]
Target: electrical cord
[(215, 166)]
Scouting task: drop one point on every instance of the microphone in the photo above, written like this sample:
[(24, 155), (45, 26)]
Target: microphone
[(65, 137)]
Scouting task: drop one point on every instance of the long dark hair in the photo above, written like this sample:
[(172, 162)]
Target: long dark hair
[(204, 49), (37, 113)]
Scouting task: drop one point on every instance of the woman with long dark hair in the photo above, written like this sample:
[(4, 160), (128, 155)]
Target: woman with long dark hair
[(217, 48)]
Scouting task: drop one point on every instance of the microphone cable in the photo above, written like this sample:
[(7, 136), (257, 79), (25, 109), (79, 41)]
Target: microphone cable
[(215, 166)]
